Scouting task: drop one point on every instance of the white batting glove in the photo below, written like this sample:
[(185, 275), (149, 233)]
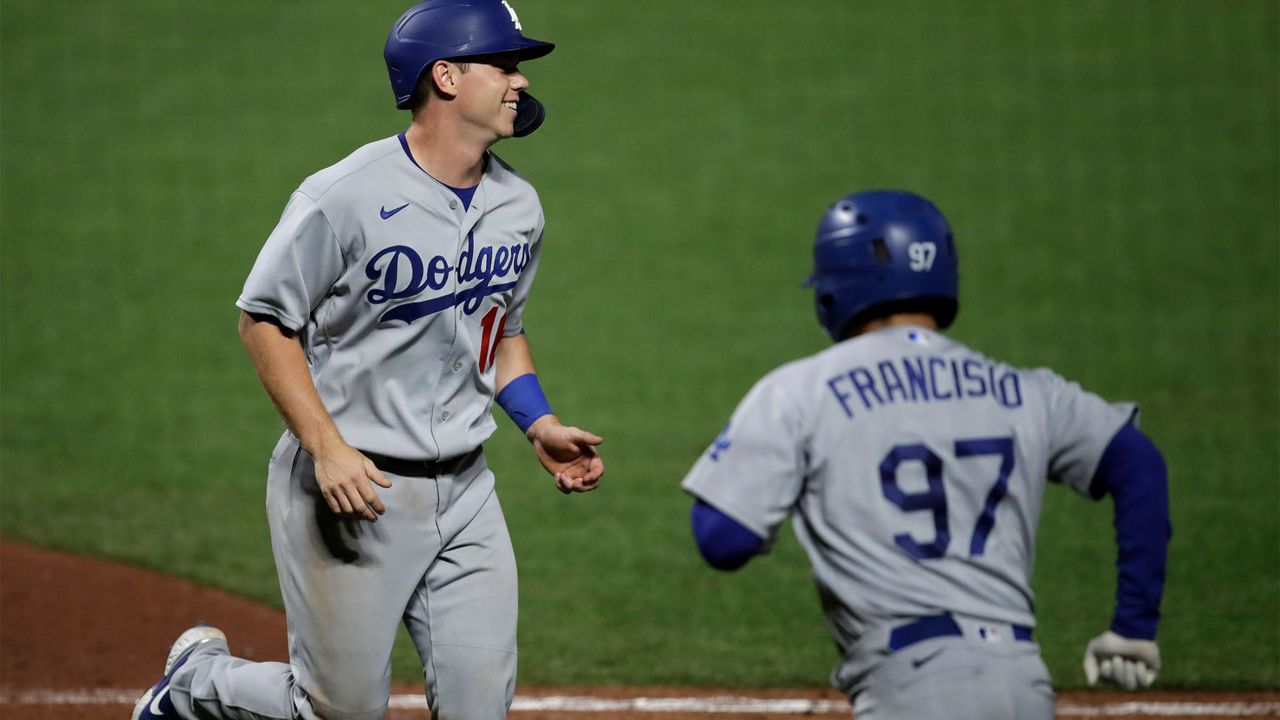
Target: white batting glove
[(1129, 663)]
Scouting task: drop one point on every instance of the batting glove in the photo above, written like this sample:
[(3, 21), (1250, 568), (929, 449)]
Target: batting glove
[(1129, 663)]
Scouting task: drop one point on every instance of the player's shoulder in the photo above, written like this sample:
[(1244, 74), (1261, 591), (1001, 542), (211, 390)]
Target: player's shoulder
[(790, 373), (353, 170), (791, 383), (1033, 380)]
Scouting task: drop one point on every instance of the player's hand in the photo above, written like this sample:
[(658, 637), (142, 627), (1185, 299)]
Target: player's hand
[(567, 453), (346, 481), (1129, 663)]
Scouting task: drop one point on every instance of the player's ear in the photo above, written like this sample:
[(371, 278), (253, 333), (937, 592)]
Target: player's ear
[(444, 75)]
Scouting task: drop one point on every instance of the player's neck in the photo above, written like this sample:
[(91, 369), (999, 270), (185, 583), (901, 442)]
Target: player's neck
[(923, 320), (445, 153)]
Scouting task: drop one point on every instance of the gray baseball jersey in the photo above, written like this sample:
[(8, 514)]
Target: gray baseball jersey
[(400, 295), (915, 469)]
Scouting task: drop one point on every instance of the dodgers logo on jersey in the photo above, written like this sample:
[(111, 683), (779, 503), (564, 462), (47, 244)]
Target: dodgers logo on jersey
[(400, 273)]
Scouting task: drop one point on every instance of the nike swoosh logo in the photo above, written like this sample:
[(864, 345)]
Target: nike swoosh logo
[(155, 702), (385, 213), (917, 664)]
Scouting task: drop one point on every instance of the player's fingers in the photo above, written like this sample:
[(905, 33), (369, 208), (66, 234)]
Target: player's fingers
[(1090, 668), (331, 499), (360, 507), (1140, 675), (340, 499), (562, 483), (1148, 676), (375, 474), (591, 478), (348, 496), (1128, 674), (371, 499), (578, 436), (1117, 672), (1105, 668), (1121, 673), (1132, 672)]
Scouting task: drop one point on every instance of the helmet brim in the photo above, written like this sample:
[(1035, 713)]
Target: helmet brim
[(524, 48)]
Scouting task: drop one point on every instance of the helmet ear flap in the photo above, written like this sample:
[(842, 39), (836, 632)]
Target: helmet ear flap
[(529, 114), (828, 307)]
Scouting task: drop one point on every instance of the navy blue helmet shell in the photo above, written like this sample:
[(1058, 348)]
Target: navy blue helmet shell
[(882, 247), (452, 29)]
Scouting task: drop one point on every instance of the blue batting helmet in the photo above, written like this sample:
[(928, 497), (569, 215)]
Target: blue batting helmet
[(881, 250), (452, 29)]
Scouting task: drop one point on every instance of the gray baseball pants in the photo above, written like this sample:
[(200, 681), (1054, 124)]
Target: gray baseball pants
[(440, 561), (958, 678)]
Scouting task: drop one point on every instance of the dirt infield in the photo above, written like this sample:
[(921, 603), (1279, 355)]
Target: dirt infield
[(80, 637)]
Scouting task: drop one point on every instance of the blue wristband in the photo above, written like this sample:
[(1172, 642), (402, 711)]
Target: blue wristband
[(524, 401)]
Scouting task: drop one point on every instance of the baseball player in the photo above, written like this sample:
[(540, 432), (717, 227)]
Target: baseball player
[(915, 468), (384, 317)]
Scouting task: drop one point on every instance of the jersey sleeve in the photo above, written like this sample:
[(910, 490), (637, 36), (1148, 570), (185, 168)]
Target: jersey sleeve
[(754, 471), (514, 323), (1080, 425), (299, 263)]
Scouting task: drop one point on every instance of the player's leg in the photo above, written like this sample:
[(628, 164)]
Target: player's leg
[(215, 684), (344, 585), (1032, 688), (463, 616)]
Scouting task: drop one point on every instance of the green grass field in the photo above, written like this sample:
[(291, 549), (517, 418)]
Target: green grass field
[(1111, 169)]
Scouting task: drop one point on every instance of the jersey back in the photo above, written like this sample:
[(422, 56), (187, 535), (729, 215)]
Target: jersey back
[(915, 470)]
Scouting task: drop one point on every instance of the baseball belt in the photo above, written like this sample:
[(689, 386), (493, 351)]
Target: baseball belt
[(933, 626), (422, 468)]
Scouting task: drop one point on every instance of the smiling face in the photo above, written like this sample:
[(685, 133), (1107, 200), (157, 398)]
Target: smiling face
[(487, 93)]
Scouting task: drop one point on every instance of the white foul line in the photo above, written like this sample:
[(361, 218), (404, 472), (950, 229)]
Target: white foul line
[(709, 705), (1172, 709)]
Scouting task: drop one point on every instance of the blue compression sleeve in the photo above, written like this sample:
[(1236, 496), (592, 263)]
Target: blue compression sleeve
[(724, 543), (1133, 471), (524, 401)]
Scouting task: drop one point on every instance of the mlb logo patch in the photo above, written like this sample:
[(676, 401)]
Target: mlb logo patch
[(990, 634), (918, 337)]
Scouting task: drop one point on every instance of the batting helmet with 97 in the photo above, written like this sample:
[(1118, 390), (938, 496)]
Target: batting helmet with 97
[(883, 250), (457, 29)]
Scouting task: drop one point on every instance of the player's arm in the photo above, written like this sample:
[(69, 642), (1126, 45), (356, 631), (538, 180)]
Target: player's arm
[(750, 477), (342, 473), (1132, 471), (724, 543), (568, 453)]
